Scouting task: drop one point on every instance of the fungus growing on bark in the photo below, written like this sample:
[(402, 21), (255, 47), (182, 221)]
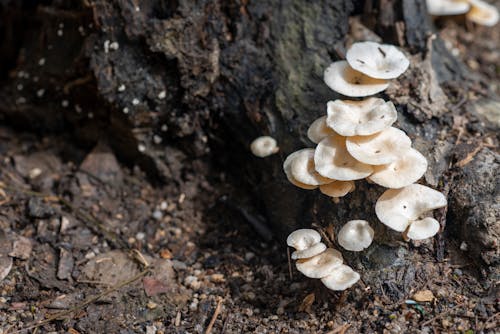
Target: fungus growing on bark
[(264, 146), (341, 278), (318, 130), (380, 61), (320, 265), (343, 79), (360, 118), (332, 160), (302, 168), (287, 168), (356, 235), (381, 148), (410, 167), (307, 243), (447, 7), (337, 189), (400, 208), (326, 265), (482, 13)]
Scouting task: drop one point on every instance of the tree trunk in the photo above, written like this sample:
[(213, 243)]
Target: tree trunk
[(207, 77)]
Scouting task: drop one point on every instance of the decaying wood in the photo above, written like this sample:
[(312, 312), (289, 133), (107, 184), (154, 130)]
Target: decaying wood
[(209, 76)]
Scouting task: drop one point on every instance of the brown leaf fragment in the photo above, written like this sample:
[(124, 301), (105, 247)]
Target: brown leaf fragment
[(424, 296), (307, 303)]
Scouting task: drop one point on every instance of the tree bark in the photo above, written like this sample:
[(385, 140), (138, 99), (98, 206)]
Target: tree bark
[(207, 77)]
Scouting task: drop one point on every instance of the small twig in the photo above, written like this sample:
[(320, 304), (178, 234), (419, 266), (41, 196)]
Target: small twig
[(77, 82), (290, 272), (89, 301), (442, 314), (214, 317), (340, 330)]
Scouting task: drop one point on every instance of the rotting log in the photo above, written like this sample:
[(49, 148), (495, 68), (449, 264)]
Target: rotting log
[(206, 77)]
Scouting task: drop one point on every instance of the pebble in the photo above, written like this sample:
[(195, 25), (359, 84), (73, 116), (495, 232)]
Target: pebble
[(157, 214), (151, 329)]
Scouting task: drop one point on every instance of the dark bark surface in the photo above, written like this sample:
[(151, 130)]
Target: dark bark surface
[(155, 78)]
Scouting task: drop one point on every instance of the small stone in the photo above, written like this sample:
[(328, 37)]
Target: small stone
[(217, 278), (463, 246), (157, 214), (151, 329), (22, 248)]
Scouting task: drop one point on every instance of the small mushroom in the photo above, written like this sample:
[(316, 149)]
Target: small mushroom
[(423, 229), (340, 77), (341, 278), (410, 167), (360, 118), (332, 160), (320, 265), (381, 61), (287, 168), (398, 208), (264, 146), (447, 7), (337, 189), (356, 235), (309, 252), (302, 168), (381, 148), (303, 238), (482, 13), (318, 130)]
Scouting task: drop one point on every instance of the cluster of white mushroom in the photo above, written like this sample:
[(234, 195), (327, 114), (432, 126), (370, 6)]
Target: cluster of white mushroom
[(356, 140), (314, 260), (476, 11)]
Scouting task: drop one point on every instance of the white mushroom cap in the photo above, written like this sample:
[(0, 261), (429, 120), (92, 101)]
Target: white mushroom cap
[(360, 118), (309, 252), (332, 160), (319, 130), (482, 13), (381, 148), (400, 173), (341, 278), (447, 7), (302, 168), (320, 265), (337, 188), (340, 77), (356, 235), (264, 146), (423, 229), (397, 208), (303, 238), (381, 61), (287, 168)]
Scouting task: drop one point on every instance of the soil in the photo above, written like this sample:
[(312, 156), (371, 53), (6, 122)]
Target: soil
[(90, 244)]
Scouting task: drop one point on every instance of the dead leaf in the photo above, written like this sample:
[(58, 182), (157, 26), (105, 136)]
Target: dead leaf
[(424, 296), (307, 303)]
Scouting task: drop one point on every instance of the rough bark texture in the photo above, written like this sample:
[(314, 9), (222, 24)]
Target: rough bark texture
[(209, 76)]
